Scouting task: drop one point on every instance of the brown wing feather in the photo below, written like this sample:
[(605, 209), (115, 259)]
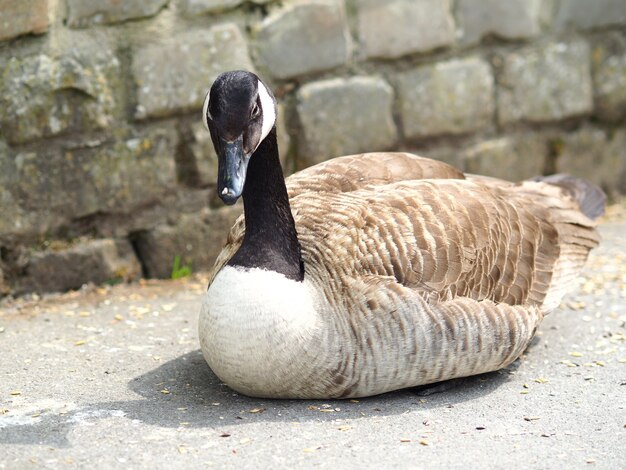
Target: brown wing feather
[(447, 239)]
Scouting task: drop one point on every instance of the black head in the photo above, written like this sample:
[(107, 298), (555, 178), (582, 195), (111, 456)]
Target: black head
[(239, 112)]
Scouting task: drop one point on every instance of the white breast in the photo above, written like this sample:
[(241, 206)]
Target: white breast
[(261, 334)]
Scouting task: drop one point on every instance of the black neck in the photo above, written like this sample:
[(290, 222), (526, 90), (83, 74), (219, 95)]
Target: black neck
[(271, 241)]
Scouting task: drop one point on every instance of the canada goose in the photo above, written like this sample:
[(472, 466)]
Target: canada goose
[(374, 272)]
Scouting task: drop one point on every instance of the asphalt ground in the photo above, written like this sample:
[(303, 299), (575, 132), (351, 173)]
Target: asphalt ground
[(113, 378)]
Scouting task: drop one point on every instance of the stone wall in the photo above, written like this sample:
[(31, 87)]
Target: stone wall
[(107, 174)]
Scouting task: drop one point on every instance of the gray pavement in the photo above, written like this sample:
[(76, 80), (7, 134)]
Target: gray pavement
[(113, 378)]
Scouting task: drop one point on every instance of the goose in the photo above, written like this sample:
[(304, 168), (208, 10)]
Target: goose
[(375, 272)]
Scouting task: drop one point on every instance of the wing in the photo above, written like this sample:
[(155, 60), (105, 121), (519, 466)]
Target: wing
[(448, 239)]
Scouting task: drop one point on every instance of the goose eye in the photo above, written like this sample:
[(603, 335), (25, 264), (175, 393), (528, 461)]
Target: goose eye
[(256, 111)]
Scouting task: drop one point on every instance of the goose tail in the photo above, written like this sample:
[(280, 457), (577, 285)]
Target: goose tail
[(590, 197)]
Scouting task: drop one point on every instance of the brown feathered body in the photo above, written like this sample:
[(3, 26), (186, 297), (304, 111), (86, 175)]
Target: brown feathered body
[(414, 273)]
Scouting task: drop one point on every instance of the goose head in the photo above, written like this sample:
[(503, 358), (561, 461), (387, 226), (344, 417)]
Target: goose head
[(239, 111)]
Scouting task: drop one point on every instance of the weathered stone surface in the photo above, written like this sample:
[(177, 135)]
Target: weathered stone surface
[(19, 17), (398, 27), (174, 74), (345, 116), (193, 8), (166, 208), (12, 218), (196, 238), (303, 37), (591, 154), (200, 159), (539, 84), (96, 261), (509, 19), (450, 97), (81, 13), (510, 158), (197, 163), (609, 77), (199, 7), (41, 96), (585, 14), (616, 152), (75, 183)]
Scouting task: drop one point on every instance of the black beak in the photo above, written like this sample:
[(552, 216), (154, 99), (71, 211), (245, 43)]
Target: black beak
[(232, 166)]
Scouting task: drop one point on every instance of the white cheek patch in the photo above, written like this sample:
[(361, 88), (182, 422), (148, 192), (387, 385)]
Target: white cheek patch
[(205, 111), (268, 111)]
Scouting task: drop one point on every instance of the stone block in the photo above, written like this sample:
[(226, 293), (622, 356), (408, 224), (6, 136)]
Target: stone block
[(586, 15), (81, 13), (112, 178), (173, 75), (200, 160), (303, 37), (609, 77), (345, 116), (196, 238), (539, 84), (508, 19), (591, 154), (95, 261), (42, 96), (511, 158), (450, 97), (394, 28), (19, 17)]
